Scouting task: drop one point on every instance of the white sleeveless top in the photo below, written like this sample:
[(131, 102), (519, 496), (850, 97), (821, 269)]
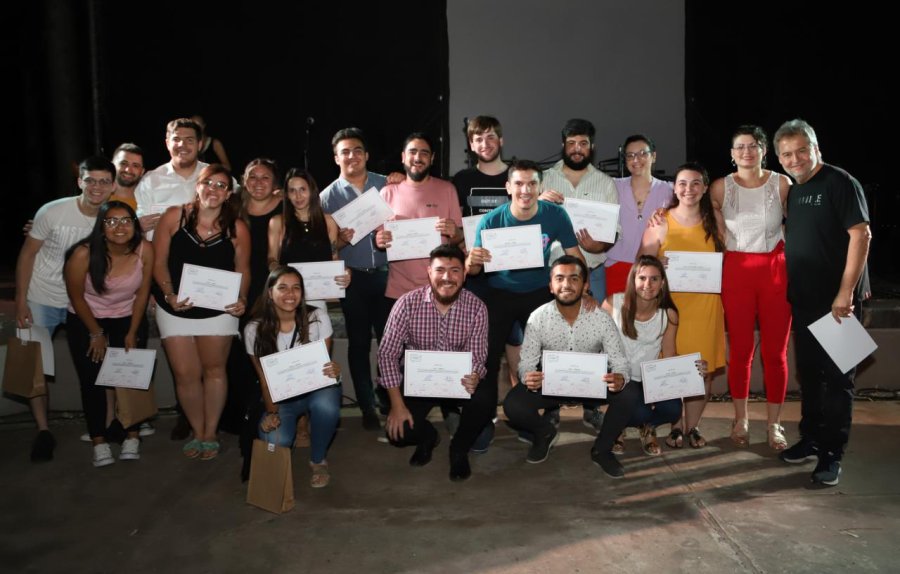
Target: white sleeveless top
[(752, 216), (648, 344)]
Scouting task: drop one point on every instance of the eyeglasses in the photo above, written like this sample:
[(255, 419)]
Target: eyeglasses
[(117, 221), (351, 152), (90, 182), (220, 185), (631, 156), (748, 147)]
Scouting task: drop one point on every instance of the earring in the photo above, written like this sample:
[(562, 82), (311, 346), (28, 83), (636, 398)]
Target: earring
[(732, 163)]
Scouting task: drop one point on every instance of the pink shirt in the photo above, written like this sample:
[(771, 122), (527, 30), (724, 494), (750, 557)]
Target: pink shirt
[(431, 198), (118, 299)]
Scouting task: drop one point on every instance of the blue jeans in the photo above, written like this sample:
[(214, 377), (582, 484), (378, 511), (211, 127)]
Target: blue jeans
[(324, 409), (598, 282), (47, 316), (654, 414)]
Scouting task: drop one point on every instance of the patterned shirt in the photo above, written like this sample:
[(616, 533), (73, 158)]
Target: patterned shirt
[(417, 325), (593, 332)]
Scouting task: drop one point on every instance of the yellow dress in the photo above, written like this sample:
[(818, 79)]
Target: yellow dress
[(701, 319)]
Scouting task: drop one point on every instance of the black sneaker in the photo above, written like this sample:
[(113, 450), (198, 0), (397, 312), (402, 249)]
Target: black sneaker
[(459, 467), (42, 447), (592, 419), (484, 440), (540, 449), (801, 452), (370, 420), (610, 465), (827, 472), (552, 416), (422, 456)]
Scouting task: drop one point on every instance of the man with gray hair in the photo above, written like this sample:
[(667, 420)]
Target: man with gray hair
[(826, 244)]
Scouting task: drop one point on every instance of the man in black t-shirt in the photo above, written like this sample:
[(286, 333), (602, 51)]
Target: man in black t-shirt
[(483, 187), (826, 244)]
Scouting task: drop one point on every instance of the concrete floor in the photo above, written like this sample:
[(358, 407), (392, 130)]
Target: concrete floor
[(713, 510)]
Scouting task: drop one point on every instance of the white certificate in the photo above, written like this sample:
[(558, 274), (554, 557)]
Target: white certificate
[(573, 374), (412, 238), (599, 218), (847, 342), (296, 371), (694, 272), (518, 247), (672, 378), (436, 374), (470, 224), (363, 215), (318, 279), (131, 370), (209, 288), (42, 336)]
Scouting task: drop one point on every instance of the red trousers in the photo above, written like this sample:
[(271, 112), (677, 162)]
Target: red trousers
[(754, 288)]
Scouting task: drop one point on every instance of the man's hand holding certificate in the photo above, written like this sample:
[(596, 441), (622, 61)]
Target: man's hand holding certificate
[(574, 374), (672, 378), (600, 219), (694, 272), (510, 248), (209, 288), (363, 215), (438, 374), (411, 238), (296, 371)]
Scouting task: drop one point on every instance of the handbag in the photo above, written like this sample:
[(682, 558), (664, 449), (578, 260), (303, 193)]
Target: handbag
[(134, 406), (271, 478), (23, 374)]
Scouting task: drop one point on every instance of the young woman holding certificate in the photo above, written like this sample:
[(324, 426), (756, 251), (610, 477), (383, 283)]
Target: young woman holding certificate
[(691, 224), (108, 281), (205, 233), (754, 279), (281, 320)]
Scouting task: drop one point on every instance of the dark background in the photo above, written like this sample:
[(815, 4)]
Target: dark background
[(257, 71)]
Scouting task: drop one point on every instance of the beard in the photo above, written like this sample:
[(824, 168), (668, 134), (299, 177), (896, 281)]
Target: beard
[(121, 182), (580, 165), (489, 159), (448, 300), (574, 301), (417, 176)]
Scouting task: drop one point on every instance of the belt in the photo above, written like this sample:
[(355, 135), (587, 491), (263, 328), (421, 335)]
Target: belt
[(370, 270)]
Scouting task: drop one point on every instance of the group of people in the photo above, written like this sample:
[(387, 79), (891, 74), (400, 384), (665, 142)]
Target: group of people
[(793, 251)]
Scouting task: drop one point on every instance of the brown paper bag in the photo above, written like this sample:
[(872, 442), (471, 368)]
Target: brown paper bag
[(271, 478), (135, 405), (23, 374)]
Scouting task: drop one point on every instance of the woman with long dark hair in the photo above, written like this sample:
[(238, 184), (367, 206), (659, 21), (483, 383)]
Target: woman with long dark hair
[(108, 281), (281, 320), (204, 232), (692, 224), (260, 200)]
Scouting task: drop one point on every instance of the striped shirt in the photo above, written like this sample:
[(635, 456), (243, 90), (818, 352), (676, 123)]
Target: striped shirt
[(417, 325)]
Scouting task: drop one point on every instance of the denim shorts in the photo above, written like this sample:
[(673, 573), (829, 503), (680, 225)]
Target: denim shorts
[(47, 316)]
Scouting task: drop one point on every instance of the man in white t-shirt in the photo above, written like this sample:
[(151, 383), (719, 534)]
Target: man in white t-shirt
[(41, 297)]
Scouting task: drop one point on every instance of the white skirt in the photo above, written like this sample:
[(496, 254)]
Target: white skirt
[(224, 325)]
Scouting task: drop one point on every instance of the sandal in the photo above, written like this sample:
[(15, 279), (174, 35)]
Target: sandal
[(192, 448), (209, 450), (619, 446), (648, 441), (320, 476), (777, 439), (675, 439), (302, 438), (740, 433), (696, 439)]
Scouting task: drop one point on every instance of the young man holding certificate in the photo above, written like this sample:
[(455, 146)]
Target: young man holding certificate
[(444, 317), (565, 325)]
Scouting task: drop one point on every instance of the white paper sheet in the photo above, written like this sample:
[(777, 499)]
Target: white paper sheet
[(517, 247), (436, 374), (568, 374), (131, 370), (672, 378), (209, 288), (363, 215), (694, 272), (296, 371), (847, 342), (599, 218), (318, 279)]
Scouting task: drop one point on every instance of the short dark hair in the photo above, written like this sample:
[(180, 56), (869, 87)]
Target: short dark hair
[(447, 251), (130, 148), (419, 136), (524, 165), (571, 260), (184, 123), (639, 138), (577, 127), (348, 134), (480, 124), (96, 163)]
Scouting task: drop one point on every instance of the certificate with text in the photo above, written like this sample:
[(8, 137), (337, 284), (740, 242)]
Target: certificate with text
[(412, 238), (318, 279), (694, 272), (518, 247), (209, 288), (600, 219), (847, 342), (131, 370), (470, 224), (296, 371), (363, 215), (436, 374), (672, 378), (568, 374)]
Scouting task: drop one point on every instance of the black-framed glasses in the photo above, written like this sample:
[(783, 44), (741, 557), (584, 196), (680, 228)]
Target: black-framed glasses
[(117, 221)]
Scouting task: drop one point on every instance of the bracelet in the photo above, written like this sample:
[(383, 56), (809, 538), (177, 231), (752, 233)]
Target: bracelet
[(166, 296), (95, 336)]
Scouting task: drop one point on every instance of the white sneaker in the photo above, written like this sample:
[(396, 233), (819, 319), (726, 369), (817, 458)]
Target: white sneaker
[(131, 449), (146, 429), (85, 437), (103, 455)]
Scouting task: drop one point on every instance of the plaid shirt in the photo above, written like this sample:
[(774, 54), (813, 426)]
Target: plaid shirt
[(416, 324)]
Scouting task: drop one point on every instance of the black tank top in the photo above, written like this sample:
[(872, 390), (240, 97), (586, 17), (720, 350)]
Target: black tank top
[(304, 248), (259, 252)]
